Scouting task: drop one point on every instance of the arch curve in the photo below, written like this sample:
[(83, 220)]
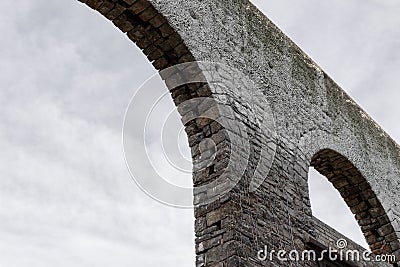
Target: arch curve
[(360, 198), (153, 34), (147, 28)]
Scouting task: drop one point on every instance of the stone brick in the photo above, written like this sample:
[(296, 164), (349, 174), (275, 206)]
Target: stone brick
[(139, 6), (124, 22), (157, 21), (115, 12), (94, 3), (106, 7), (148, 14), (385, 230), (166, 30), (213, 217)]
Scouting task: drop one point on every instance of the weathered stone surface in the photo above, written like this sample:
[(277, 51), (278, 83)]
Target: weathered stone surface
[(288, 115)]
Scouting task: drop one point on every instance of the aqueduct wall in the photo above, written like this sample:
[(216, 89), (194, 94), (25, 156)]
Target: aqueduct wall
[(315, 124)]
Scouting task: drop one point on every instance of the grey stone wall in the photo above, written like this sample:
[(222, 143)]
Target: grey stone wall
[(314, 123)]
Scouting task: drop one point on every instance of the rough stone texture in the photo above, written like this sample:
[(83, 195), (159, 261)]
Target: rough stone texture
[(316, 123)]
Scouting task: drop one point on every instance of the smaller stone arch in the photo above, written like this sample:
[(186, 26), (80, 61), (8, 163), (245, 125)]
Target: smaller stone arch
[(360, 198)]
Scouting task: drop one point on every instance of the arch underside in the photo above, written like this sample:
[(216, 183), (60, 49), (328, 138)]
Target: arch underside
[(360, 198)]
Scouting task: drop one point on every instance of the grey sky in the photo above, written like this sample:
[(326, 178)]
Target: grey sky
[(67, 75)]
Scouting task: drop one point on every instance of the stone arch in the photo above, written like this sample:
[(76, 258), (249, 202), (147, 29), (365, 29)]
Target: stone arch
[(360, 198), (164, 47)]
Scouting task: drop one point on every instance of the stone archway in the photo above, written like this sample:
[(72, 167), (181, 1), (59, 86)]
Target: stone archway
[(360, 198), (231, 228)]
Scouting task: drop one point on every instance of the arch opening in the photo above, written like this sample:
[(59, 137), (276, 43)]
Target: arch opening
[(328, 206), (360, 198)]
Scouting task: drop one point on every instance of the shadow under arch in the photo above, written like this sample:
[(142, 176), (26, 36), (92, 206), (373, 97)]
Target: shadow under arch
[(360, 198)]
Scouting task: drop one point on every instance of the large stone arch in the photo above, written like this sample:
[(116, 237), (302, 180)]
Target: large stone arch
[(311, 113)]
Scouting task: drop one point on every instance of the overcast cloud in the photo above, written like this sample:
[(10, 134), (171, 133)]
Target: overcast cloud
[(67, 75)]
